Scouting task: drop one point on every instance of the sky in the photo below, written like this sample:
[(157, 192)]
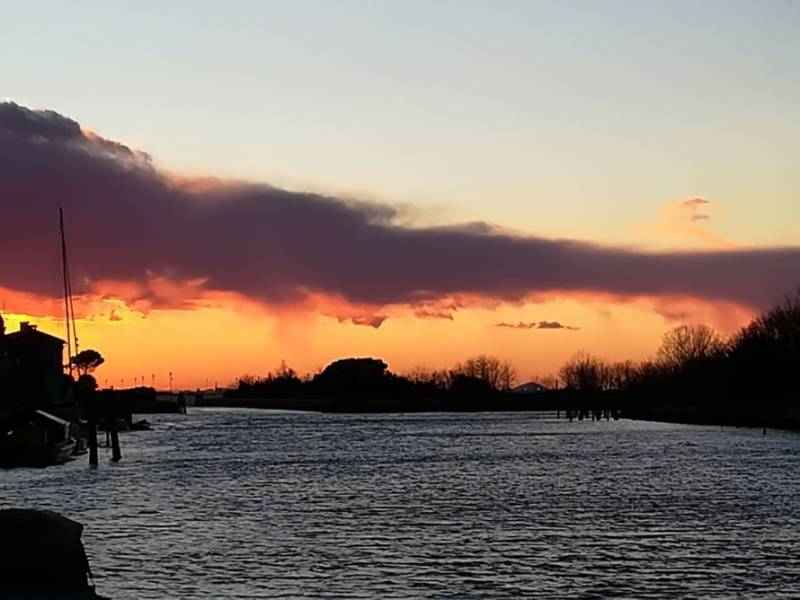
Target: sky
[(257, 181)]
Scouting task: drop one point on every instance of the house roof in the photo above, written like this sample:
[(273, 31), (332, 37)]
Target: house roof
[(525, 388), (33, 334)]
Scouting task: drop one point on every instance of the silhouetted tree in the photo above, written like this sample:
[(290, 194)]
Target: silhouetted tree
[(283, 382), (498, 374), (355, 369), (584, 373), (689, 344), (765, 354), (427, 381), (351, 377), (87, 361), (645, 374), (777, 329), (550, 382), (619, 375), (756, 370), (248, 380), (284, 372), (467, 385), (87, 384)]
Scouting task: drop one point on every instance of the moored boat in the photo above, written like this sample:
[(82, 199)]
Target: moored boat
[(37, 439)]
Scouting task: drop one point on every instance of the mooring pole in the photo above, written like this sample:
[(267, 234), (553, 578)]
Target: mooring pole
[(116, 453), (92, 440)]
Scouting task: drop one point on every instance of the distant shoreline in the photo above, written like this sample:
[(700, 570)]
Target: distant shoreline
[(619, 408), (496, 403)]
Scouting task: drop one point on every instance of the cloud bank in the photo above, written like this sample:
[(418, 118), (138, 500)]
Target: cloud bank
[(133, 224)]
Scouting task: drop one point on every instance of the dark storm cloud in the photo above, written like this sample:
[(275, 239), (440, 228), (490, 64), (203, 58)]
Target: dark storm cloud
[(42, 124), (128, 221)]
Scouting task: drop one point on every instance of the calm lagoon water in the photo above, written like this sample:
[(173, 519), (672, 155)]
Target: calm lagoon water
[(253, 504)]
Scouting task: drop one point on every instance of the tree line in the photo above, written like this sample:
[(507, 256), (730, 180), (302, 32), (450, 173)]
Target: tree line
[(369, 377), (694, 365), (758, 365)]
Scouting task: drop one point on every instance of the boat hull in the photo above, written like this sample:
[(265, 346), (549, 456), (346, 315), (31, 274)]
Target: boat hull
[(18, 455)]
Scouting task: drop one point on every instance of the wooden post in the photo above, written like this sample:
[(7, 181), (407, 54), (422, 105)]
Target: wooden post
[(116, 453), (92, 441)]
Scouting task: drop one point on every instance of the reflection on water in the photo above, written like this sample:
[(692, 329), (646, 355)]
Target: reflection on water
[(248, 504)]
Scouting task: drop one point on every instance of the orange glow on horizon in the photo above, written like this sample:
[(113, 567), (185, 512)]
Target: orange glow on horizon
[(218, 337)]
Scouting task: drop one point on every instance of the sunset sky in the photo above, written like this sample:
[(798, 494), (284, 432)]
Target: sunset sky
[(248, 182)]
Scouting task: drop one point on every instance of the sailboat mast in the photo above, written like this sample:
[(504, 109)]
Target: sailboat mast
[(69, 310)]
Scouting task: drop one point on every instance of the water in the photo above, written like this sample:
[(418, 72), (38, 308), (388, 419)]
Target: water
[(248, 504)]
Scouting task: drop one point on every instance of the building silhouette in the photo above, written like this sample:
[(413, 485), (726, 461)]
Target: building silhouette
[(32, 373)]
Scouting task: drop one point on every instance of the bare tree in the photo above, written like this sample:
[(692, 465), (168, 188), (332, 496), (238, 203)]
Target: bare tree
[(689, 344), (423, 376), (584, 372), (621, 374), (550, 382), (766, 353), (498, 374), (778, 327)]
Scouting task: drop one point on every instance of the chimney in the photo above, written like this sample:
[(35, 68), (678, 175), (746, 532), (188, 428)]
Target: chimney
[(27, 326)]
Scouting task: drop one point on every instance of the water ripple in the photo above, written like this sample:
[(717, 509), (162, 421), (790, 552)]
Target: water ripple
[(249, 504)]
